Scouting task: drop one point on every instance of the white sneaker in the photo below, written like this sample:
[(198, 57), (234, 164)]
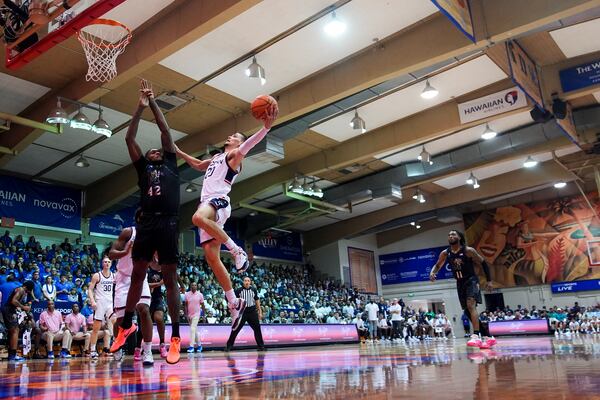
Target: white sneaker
[(147, 359), (237, 310), (241, 260)]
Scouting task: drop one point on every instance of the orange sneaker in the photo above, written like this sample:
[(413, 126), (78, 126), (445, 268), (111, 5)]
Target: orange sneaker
[(174, 348), (122, 338)]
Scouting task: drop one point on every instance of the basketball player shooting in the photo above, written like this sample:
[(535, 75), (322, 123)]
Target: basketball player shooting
[(157, 229), (462, 260), (215, 208)]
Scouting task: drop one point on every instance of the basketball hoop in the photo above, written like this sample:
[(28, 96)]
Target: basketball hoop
[(103, 40)]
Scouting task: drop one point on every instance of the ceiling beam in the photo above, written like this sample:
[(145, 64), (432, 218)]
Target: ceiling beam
[(180, 27), (544, 173), (426, 125), (403, 232), (551, 79), (400, 54)]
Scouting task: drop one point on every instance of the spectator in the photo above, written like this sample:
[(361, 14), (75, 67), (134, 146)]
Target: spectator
[(49, 289), (194, 303), (385, 329), (77, 326), (54, 329), (372, 310), (6, 240), (63, 288), (396, 312)]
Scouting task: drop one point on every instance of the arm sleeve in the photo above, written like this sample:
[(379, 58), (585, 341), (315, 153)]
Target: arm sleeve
[(253, 141)]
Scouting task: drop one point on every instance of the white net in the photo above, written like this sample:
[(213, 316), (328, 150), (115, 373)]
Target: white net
[(103, 41)]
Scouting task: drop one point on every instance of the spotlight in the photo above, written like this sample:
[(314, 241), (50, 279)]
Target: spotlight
[(425, 157), (530, 162), (429, 92), (560, 185), (418, 226), (335, 27), (296, 186), (476, 184), (488, 133), (413, 223), (80, 121), (58, 115), (471, 179), (540, 115), (306, 188), (255, 70), (190, 188), (101, 126), (358, 123), (418, 196), (82, 162), (316, 191)]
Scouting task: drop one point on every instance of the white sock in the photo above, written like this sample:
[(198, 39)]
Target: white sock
[(230, 295), (230, 244), (147, 346)]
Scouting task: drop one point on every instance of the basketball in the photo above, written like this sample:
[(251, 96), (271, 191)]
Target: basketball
[(261, 104)]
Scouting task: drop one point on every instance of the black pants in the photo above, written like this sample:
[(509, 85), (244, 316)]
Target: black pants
[(250, 316)]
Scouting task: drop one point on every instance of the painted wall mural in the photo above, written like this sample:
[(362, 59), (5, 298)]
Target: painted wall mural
[(540, 242)]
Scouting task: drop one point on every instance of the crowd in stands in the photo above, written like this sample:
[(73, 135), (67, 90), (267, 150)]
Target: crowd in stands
[(288, 294), (563, 321)]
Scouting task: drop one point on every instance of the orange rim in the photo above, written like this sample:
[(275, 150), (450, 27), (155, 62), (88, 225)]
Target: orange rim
[(109, 22)]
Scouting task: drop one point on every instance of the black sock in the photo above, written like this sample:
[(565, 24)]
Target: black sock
[(175, 329), (127, 320), (475, 332), (12, 353)]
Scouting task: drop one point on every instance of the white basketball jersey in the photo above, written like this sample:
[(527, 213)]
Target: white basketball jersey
[(125, 264), (104, 288), (218, 178)]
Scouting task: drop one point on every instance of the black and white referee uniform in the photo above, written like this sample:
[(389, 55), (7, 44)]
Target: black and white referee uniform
[(251, 315)]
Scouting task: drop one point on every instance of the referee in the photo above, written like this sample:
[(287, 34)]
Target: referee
[(252, 315)]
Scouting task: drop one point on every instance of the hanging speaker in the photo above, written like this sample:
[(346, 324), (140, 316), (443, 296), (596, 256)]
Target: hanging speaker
[(559, 108), (540, 115)]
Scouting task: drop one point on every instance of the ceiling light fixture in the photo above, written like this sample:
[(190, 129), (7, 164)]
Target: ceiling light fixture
[(80, 121), (470, 179), (425, 157), (190, 188), (335, 27), (560, 185), (101, 126), (255, 70), (488, 133), (429, 92), (82, 162), (530, 162), (58, 115), (418, 196), (358, 123)]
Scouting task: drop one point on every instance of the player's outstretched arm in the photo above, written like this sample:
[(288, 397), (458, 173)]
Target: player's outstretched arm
[(238, 154), (193, 162), (135, 153), (121, 247), (165, 131)]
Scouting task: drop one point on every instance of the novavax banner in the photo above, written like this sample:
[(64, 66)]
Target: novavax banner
[(40, 204)]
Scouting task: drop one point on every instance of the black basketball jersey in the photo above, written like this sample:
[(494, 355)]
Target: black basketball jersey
[(155, 277), (460, 263), (159, 185)]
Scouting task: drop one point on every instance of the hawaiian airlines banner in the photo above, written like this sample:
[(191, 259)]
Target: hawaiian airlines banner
[(284, 246), (411, 266), (113, 224), (538, 243), (40, 204), (494, 104), (459, 13)]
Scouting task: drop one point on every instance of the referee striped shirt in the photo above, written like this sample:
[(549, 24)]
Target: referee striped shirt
[(250, 295)]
